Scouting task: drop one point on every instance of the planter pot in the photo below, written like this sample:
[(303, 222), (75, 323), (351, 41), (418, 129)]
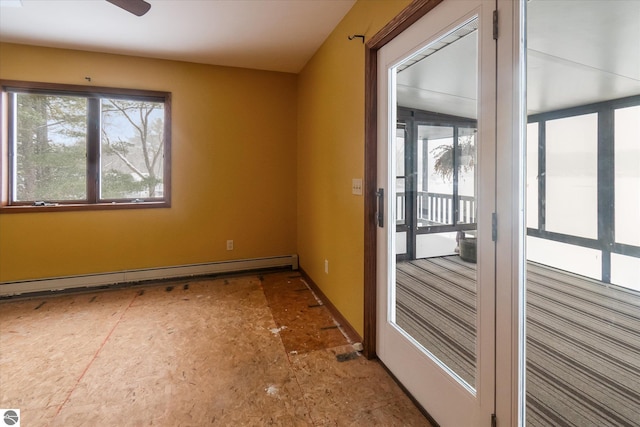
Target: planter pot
[(468, 249)]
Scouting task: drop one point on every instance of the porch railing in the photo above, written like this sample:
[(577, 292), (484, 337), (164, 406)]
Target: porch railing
[(437, 208)]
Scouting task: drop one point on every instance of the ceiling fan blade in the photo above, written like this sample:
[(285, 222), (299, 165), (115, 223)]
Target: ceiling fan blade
[(137, 7)]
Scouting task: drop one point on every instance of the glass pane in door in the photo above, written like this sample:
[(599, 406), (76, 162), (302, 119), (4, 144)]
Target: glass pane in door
[(583, 206), (435, 289)]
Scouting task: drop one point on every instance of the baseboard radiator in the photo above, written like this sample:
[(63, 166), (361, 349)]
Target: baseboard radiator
[(133, 276)]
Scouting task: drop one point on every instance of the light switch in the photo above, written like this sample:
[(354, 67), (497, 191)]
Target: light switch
[(356, 186)]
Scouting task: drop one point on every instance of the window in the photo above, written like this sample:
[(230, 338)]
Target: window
[(79, 147), (572, 175), (626, 138), (435, 182), (583, 216)]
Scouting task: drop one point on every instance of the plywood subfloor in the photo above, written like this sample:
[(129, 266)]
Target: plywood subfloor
[(236, 351)]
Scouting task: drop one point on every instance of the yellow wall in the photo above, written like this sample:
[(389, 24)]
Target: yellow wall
[(233, 171), (331, 154), (237, 171)]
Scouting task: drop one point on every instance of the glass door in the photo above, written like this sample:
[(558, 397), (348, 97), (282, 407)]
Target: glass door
[(583, 206), (436, 257)]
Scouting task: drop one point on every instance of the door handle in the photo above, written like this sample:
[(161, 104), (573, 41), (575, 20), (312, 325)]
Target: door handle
[(380, 211)]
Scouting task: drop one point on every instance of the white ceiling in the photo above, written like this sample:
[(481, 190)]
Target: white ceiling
[(276, 35), (579, 52), (582, 52), (445, 81)]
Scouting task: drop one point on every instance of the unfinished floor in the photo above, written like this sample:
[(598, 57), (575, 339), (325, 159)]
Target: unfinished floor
[(250, 350)]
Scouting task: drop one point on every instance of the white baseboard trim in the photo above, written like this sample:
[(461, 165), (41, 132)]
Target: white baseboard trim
[(129, 276)]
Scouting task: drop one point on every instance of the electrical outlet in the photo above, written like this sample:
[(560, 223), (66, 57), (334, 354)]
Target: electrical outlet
[(326, 266), (356, 186), (229, 245)]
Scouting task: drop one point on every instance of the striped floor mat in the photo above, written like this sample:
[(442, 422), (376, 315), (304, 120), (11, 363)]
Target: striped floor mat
[(583, 338)]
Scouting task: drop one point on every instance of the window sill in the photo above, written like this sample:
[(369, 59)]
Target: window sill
[(69, 207)]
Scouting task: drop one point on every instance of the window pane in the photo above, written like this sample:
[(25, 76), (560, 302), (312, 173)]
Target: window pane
[(401, 201), (572, 175), (401, 243), (400, 178), (572, 258), (625, 271), (400, 145), (435, 245), (132, 148), (422, 181), (51, 148), (627, 175), (466, 175), (532, 175), (438, 206)]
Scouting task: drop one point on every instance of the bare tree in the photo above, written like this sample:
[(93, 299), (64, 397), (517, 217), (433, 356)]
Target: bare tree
[(140, 150)]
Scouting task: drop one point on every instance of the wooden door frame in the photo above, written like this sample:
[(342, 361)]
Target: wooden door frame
[(412, 13)]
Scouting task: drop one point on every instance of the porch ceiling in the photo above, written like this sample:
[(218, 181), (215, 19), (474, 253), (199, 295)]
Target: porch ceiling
[(578, 53)]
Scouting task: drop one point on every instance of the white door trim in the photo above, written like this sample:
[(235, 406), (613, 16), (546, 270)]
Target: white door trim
[(447, 400)]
